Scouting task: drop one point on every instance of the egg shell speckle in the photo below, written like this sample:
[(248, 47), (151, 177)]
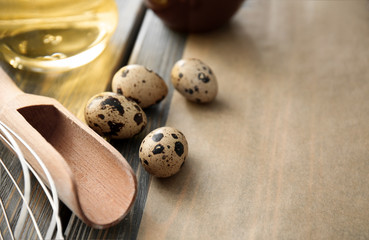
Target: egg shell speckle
[(163, 151), (140, 84), (113, 115), (194, 80)]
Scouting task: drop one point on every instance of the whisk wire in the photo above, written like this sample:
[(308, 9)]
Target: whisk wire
[(55, 220), (6, 220), (22, 217), (7, 137), (27, 184)]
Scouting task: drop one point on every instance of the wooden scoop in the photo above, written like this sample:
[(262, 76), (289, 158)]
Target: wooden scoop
[(91, 177)]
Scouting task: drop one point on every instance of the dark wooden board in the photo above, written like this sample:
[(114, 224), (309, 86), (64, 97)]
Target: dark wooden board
[(73, 89), (157, 48)]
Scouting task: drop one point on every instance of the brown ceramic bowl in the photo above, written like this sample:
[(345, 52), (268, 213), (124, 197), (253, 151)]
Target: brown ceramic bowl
[(194, 15)]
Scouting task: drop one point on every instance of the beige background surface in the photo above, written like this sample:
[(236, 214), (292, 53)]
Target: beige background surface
[(283, 151)]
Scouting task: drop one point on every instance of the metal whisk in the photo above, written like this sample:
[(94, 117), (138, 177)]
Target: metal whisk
[(17, 214)]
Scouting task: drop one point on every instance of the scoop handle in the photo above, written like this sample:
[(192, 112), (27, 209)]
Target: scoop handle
[(8, 88)]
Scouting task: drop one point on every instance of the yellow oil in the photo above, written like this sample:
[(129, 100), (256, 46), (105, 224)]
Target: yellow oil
[(50, 35)]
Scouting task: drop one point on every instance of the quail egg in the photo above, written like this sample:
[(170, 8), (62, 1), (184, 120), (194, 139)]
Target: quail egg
[(113, 115), (163, 151), (194, 80), (140, 84)]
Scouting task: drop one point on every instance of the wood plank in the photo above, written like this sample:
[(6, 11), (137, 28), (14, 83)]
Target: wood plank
[(157, 48), (75, 87), (283, 151)]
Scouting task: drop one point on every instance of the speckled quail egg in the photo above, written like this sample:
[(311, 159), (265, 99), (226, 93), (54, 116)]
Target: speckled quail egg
[(163, 151), (113, 115), (194, 80), (140, 84)]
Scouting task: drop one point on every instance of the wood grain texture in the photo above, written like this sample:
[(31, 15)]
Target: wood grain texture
[(157, 48), (283, 151)]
